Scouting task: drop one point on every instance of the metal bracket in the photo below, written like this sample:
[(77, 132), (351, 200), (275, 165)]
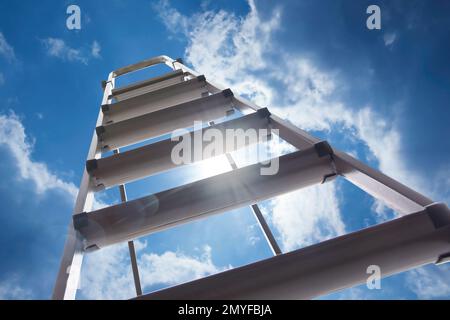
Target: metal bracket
[(100, 130), (179, 60), (80, 220), (443, 258), (230, 112), (323, 148), (228, 93), (263, 113), (91, 165), (105, 108), (328, 177), (104, 83), (439, 214)]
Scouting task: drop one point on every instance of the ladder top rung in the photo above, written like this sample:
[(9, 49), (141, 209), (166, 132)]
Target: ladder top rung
[(147, 82), (109, 108)]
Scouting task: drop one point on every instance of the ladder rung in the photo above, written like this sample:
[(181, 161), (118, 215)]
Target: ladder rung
[(156, 157), (227, 191), (155, 100), (395, 246), (149, 84), (127, 132)]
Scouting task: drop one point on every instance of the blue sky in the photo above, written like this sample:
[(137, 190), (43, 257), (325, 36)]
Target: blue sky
[(381, 95)]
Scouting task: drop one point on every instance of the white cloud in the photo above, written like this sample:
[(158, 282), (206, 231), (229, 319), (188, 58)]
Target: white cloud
[(383, 141), (389, 38), (58, 48), (95, 49), (174, 20), (11, 290), (307, 216), (354, 293), (253, 232), (14, 138), (107, 273), (223, 45), (172, 267), (2, 79), (6, 50), (429, 282)]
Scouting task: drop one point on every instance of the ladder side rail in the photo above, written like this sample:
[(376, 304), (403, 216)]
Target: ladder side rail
[(70, 266), (393, 193)]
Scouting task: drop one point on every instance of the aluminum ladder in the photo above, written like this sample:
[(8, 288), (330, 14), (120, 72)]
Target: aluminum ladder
[(157, 106)]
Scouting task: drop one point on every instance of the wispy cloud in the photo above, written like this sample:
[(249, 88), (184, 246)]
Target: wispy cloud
[(11, 289), (58, 48), (307, 216), (15, 139), (430, 282), (389, 38), (2, 79), (34, 181), (13, 136), (172, 268), (6, 50), (95, 49), (107, 273), (353, 294)]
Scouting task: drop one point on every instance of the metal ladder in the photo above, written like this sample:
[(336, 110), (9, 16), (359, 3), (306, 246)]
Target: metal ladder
[(157, 106)]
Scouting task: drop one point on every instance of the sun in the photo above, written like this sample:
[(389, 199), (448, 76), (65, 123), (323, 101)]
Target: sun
[(211, 167)]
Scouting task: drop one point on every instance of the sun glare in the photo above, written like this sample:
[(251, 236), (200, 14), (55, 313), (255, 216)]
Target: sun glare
[(211, 167)]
